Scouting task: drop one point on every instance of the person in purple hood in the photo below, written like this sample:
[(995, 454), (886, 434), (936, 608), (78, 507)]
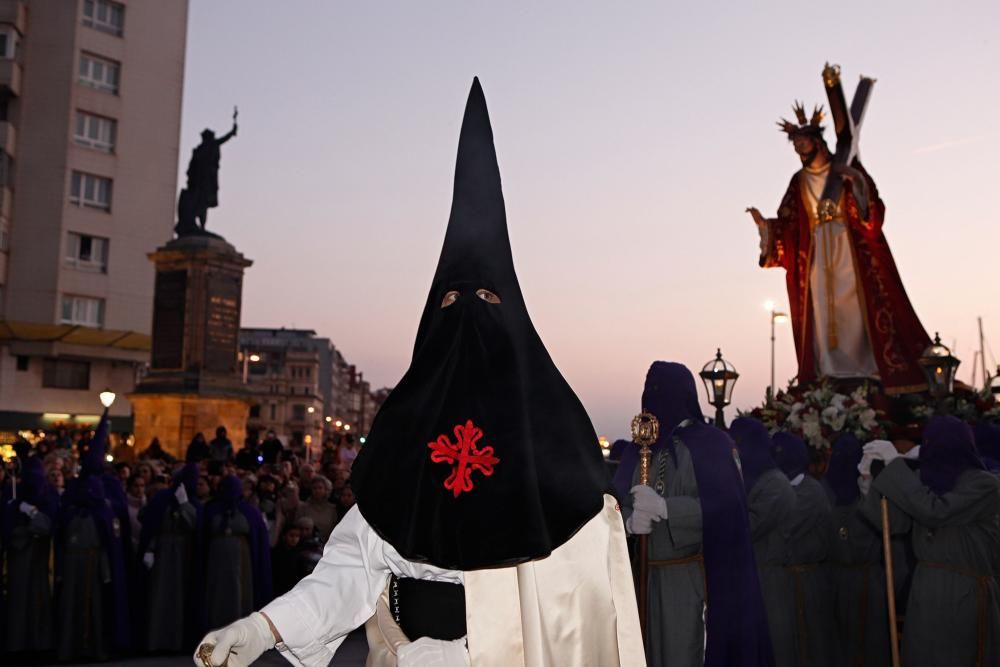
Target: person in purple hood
[(808, 549), (953, 611), (167, 548), (855, 560), (237, 556), (27, 528), (704, 604), (91, 601), (771, 500)]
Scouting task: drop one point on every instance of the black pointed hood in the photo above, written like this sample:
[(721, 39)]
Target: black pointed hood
[(482, 456)]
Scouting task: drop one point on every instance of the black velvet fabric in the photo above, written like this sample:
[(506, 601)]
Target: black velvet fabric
[(480, 363), (425, 608)]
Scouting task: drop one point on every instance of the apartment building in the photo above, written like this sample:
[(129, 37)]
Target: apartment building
[(90, 112)]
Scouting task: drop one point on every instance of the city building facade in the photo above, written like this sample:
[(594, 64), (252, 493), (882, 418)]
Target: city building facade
[(90, 112)]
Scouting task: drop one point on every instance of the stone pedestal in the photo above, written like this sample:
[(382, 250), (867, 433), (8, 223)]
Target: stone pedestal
[(194, 383)]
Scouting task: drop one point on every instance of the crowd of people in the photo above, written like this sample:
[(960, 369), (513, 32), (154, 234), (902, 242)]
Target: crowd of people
[(104, 559)]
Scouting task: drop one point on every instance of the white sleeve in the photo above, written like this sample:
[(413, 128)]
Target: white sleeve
[(340, 595)]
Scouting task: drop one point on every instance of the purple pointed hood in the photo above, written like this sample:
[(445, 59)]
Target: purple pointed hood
[(753, 443), (791, 454), (948, 450), (842, 472), (671, 395)]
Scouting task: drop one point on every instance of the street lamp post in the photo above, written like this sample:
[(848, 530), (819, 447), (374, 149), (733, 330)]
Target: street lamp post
[(247, 358), (775, 317), (719, 377), (939, 366)]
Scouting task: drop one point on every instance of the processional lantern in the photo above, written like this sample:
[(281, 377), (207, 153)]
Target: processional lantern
[(939, 366), (719, 377)]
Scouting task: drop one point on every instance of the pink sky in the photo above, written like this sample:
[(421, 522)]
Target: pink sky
[(630, 139)]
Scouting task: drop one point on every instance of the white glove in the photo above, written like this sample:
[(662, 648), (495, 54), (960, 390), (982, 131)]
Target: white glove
[(148, 559), (881, 450), (647, 506), (241, 643), (427, 652), (28, 509), (181, 494), (864, 484), (645, 499), (913, 454)]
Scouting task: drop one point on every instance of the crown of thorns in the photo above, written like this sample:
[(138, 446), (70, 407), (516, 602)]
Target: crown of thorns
[(805, 125)]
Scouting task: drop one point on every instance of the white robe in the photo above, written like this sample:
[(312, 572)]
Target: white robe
[(575, 607), (834, 295)]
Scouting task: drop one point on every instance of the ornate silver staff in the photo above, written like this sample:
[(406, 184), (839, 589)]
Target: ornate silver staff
[(645, 431)]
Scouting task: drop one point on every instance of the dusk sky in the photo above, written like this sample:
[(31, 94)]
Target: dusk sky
[(631, 137)]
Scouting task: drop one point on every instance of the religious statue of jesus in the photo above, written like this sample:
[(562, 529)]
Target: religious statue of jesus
[(850, 313)]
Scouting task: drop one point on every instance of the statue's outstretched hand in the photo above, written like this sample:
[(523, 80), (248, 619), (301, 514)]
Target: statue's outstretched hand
[(757, 217)]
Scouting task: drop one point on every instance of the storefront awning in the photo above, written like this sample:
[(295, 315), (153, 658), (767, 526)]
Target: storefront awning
[(72, 334)]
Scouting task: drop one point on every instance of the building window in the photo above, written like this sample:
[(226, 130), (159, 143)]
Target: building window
[(274, 411), (104, 15), (95, 131), (299, 412), (99, 72), (90, 190), (65, 374), (8, 43), (22, 362), (83, 310), (4, 237), (255, 411), (87, 253)]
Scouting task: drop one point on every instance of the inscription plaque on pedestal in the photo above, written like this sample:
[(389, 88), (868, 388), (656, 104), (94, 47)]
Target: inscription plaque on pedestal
[(222, 324)]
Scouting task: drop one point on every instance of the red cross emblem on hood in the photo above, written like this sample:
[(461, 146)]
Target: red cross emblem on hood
[(464, 455)]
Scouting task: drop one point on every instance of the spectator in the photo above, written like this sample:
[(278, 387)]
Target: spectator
[(203, 490), (249, 457), (136, 498), (306, 475), (198, 450), (123, 472), (56, 479), (221, 448), (320, 509), (271, 448), (286, 560), (155, 452)]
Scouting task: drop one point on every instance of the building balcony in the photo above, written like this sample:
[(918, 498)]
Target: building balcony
[(15, 13), (8, 138), (10, 76)]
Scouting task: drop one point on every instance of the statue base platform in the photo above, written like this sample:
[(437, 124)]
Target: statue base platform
[(175, 418)]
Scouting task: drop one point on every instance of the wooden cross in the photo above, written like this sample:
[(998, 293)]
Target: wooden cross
[(847, 126)]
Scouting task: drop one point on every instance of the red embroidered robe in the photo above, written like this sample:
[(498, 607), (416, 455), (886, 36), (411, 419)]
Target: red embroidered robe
[(897, 337)]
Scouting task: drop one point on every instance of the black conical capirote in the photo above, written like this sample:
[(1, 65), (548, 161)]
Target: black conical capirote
[(484, 363)]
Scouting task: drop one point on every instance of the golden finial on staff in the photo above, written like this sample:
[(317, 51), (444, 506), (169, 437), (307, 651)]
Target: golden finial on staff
[(645, 431)]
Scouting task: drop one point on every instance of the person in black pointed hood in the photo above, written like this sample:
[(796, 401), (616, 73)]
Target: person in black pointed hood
[(484, 510)]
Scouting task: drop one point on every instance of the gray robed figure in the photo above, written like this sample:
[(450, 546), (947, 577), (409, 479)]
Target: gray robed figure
[(855, 561), (953, 611), (771, 501), (808, 549)]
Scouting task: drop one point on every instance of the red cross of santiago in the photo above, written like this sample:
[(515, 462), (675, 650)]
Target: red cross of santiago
[(464, 455)]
